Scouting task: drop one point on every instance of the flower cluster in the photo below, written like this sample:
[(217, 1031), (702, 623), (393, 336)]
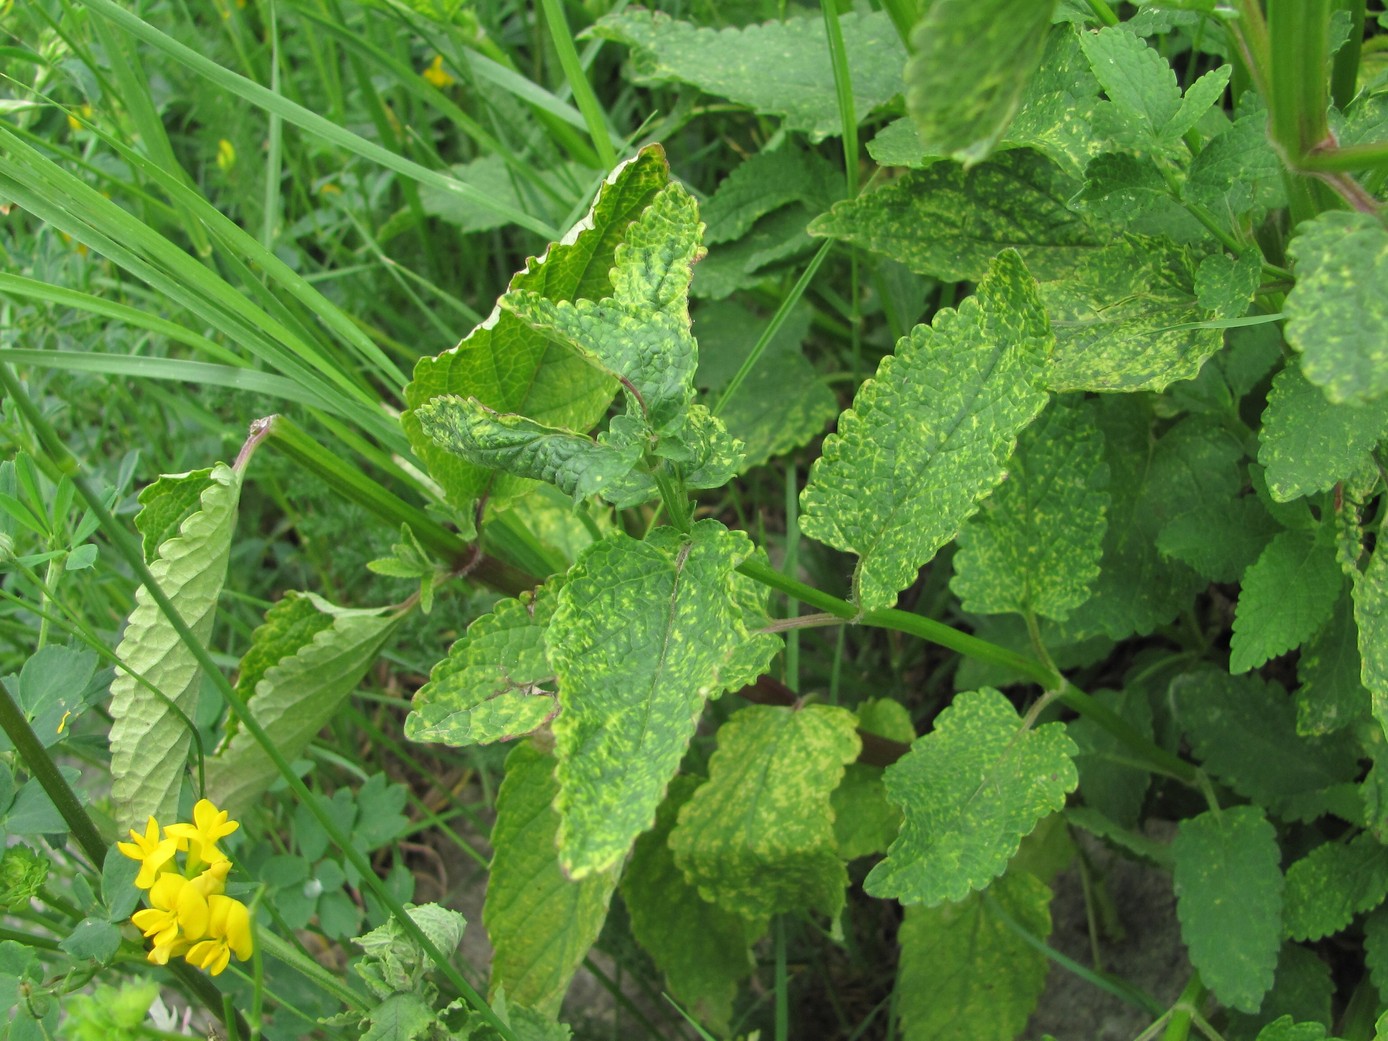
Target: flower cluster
[(189, 915)]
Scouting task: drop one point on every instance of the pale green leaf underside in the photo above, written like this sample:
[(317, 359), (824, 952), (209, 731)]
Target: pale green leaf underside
[(970, 791), (540, 923), (965, 974), (702, 949), (1036, 544), (1333, 883), (1337, 313), (1309, 443), (311, 671), (149, 741), (1229, 899), (929, 435), (496, 683), (777, 68), (1287, 595), (511, 368), (758, 837), (643, 634), (1000, 42)]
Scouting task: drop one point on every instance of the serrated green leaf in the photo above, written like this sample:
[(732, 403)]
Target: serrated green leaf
[(1035, 546), (1287, 595), (1244, 730), (703, 949), (305, 660), (1302, 989), (1229, 900), (1331, 696), (1225, 285), (496, 683), (1372, 616), (758, 838), (393, 961), (541, 923), (166, 504), (574, 463), (965, 974), (1237, 172), (1337, 314), (949, 222), (93, 938), (1118, 186), (1110, 781), (149, 740), (1121, 318), (1308, 443), (641, 332), (774, 240), (643, 634), (777, 68), (1001, 43), (762, 184), (970, 791), (1219, 538), (400, 1017), (707, 456), (1333, 883), (509, 367), (928, 437)]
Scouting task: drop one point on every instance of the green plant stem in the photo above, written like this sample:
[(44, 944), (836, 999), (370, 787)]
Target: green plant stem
[(282, 951), (1372, 156), (584, 97), (903, 14), (674, 498), (1344, 73), (843, 90), (1103, 12), (129, 550), (1178, 1026)]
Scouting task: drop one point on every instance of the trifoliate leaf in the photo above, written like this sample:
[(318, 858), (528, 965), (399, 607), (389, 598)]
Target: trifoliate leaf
[(496, 683), (1371, 616), (1287, 595), (703, 950), (1332, 696), (1244, 730), (1122, 315), (640, 333), (1035, 546), (1000, 42), (541, 923), (970, 790), (52, 689), (1337, 316), (929, 436), (777, 68), (758, 837), (644, 633), (511, 368), (303, 663), (576, 464), (1229, 900), (1309, 443), (151, 733), (949, 222), (1333, 883), (965, 973)]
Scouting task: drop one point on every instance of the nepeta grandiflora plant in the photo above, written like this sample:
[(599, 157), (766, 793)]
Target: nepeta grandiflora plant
[(1162, 390)]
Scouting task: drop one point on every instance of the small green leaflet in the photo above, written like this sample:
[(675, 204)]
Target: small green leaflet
[(304, 661), (509, 367), (970, 791), (929, 436), (53, 688), (1000, 42), (1244, 730), (1309, 443), (948, 222), (1287, 595), (1035, 545), (1331, 695), (965, 974), (1229, 899), (1337, 314), (1371, 615), (1333, 883), (496, 683), (764, 183), (758, 838), (540, 923), (1146, 111), (643, 634), (779, 68), (702, 949), (149, 736), (1237, 172)]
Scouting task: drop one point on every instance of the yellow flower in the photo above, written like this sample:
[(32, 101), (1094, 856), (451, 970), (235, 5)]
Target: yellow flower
[(152, 852), (229, 932), (200, 837), (437, 74)]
